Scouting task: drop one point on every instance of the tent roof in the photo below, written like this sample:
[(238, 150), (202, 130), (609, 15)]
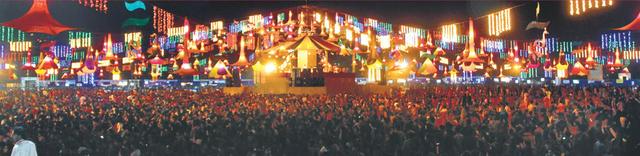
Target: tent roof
[(38, 20), (314, 43), (634, 25)]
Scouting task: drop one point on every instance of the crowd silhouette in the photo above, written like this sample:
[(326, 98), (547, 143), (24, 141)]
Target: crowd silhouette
[(435, 120)]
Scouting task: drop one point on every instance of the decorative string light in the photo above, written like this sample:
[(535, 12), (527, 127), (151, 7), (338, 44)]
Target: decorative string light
[(412, 35), (162, 19), (217, 25), (80, 39), (8, 34), (98, 5), (495, 46), (616, 40), (499, 22), (117, 48), (61, 51), (201, 33), (450, 33), (135, 37), (577, 7), (256, 20), (19, 46)]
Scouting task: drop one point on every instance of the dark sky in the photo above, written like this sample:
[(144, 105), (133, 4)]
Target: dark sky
[(426, 14)]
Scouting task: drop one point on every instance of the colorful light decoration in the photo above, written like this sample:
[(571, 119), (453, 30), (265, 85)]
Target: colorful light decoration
[(19, 46), (8, 34), (162, 19), (495, 46), (201, 33), (577, 7), (98, 5), (631, 55), (364, 39), (385, 41), (80, 39), (61, 51), (256, 20), (617, 40), (133, 37), (412, 35), (217, 25), (499, 22), (450, 33)]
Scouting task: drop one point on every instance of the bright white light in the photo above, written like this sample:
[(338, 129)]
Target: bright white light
[(270, 67)]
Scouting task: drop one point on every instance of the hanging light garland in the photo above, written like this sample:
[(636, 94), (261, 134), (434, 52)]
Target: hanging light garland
[(61, 51), (8, 34), (631, 55), (80, 39), (577, 7), (450, 33), (256, 20), (19, 46), (499, 22), (412, 35), (98, 5), (617, 40), (217, 25), (494, 46), (117, 48), (176, 34), (135, 37), (162, 19)]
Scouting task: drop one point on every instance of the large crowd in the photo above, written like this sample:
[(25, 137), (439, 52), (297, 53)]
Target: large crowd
[(435, 120)]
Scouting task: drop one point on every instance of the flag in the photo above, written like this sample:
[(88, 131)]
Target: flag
[(537, 25), (537, 10)]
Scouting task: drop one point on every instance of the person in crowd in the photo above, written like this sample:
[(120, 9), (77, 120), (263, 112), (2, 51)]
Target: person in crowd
[(22, 147), (431, 120)]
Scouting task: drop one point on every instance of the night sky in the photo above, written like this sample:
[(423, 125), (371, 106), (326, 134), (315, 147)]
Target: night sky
[(425, 14)]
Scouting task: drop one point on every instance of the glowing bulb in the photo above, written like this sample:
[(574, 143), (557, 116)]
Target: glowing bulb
[(270, 67)]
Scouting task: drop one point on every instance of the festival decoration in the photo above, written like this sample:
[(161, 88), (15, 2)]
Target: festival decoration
[(577, 7), (108, 48), (617, 40), (579, 69), (427, 68), (219, 71), (499, 22), (20, 46), (374, 71), (80, 39), (98, 5), (38, 20), (8, 34), (471, 59), (412, 35), (450, 33), (242, 59), (162, 19), (217, 25)]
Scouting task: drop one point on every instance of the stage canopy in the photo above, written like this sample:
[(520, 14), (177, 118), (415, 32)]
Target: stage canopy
[(634, 25), (313, 43), (38, 20)]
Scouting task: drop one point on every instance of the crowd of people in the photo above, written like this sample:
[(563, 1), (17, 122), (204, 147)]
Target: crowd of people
[(434, 120)]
